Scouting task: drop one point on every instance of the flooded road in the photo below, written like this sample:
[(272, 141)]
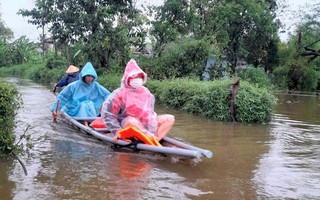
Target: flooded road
[(279, 160)]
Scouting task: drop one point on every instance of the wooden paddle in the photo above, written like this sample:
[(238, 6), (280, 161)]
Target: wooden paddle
[(56, 112)]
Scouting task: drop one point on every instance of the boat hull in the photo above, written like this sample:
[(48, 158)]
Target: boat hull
[(174, 147)]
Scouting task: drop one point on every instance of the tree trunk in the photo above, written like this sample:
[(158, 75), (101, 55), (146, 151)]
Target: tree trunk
[(103, 59), (43, 41), (55, 48), (68, 54)]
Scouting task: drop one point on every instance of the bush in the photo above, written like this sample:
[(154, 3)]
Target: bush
[(184, 59), (255, 76), (310, 80), (280, 77), (297, 75), (212, 99), (10, 101), (254, 105), (111, 82), (54, 61)]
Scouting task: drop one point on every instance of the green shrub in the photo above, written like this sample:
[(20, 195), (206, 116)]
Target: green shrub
[(184, 59), (254, 105), (15, 70), (212, 99), (111, 82), (310, 80), (280, 77), (255, 76), (299, 75), (55, 61), (10, 101)]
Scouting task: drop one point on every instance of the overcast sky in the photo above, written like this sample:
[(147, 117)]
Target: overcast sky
[(20, 26), (17, 23)]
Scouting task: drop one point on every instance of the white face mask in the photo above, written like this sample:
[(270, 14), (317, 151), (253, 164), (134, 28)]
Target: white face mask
[(136, 82)]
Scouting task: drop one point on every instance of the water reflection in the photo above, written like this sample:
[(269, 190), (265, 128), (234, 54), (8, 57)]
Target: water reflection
[(129, 176), (302, 108), (291, 167), (6, 185)]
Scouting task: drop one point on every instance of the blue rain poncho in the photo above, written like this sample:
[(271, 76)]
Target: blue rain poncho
[(81, 99)]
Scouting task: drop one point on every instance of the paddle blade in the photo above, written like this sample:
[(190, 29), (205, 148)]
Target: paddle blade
[(55, 116)]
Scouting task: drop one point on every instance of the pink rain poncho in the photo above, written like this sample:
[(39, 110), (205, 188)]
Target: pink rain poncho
[(127, 101), (81, 99)]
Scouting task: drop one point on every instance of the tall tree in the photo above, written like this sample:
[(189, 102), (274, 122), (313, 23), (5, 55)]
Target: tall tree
[(40, 16), (303, 71), (171, 22), (249, 30), (5, 32), (105, 27), (308, 31), (239, 29), (22, 50)]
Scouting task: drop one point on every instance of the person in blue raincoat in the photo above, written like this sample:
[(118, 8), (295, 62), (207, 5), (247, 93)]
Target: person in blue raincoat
[(83, 97)]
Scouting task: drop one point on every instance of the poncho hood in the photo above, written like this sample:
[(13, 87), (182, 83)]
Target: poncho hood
[(88, 70), (132, 70)]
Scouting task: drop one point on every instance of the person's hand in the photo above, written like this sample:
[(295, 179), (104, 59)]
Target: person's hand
[(55, 84), (55, 114), (116, 137)]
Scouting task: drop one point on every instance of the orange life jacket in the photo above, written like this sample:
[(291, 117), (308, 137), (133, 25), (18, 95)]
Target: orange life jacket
[(132, 132)]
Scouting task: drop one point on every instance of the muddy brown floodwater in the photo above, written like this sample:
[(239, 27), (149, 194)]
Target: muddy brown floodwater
[(278, 160)]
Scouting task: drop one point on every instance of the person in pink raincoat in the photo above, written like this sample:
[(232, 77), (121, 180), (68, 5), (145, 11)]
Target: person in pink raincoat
[(133, 104)]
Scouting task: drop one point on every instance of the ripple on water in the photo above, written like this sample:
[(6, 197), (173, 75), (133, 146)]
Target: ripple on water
[(291, 167)]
